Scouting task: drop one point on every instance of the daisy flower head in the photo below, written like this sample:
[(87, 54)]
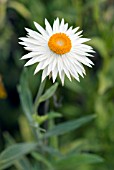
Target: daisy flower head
[(58, 50)]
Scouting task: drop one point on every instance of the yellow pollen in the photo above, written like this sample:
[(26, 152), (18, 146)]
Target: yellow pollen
[(59, 43)]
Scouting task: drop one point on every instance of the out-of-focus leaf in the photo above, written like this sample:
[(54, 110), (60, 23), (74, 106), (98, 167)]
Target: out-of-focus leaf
[(42, 159), (105, 82), (2, 13), (100, 45), (54, 114), (14, 152), (68, 126), (106, 76), (49, 93), (52, 151), (20, 8), (72, 161), (25, 128), (23, 163), (25, 96), (74, 86), (101, 111)]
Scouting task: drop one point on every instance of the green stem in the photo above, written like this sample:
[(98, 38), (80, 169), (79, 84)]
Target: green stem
[(39, 93), (36, 105)]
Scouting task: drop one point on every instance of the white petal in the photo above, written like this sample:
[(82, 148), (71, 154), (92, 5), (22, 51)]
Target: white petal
[(78, 33), (86, 50), (64, 28), (36, 49), (49, 68), (61, 27), (44, 74), (85, 46), (48, 27), (83, 60), (43, 64), (75, 30), (54, 63), (41, 29), (31, 61), (69, 31), (56, 25), (74, 74), (54, 74), (29, 45), (22, 43), (67, 73), (60, 63), (30, 55), (82, 40), (39, 67), (35, 34), (71, 66), (78, 64), (62, 77), (79, 52), (30, 40), (66, 68), (89, 61), (79, 70)]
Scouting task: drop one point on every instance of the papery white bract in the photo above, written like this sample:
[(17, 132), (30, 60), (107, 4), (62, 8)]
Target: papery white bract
[(58, 50)]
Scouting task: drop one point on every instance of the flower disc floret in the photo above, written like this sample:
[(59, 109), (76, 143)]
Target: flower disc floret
[(59, 43)]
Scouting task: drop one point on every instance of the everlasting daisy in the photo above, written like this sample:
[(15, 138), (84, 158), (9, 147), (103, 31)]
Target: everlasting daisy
[(58, 50)]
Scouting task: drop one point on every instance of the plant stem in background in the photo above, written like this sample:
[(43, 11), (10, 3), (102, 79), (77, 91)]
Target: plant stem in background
[(40, 91)]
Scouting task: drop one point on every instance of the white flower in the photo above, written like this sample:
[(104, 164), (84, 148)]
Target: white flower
[(58, 50)]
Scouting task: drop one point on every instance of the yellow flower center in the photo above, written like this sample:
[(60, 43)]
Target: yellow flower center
[(59, 43)]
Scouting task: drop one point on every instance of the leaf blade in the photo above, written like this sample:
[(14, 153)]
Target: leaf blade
[(49, 93), (71, 161), (25, 96), (14, 152), (68, 126)]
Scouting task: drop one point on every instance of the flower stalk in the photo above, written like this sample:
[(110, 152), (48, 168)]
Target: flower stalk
[(39, 93)]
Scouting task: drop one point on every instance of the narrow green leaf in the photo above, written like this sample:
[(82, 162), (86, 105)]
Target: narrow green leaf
[(25, 96), (52, 151), (49, 93), (20, 8), (54, 114), (42, 159), (23, 163), (70, 162), (14, 152), (100, 45), (68, 126)]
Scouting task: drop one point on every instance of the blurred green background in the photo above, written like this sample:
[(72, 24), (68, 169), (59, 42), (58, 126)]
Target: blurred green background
[(93, 95)]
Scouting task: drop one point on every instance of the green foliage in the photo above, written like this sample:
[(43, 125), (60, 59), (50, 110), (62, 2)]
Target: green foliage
[(48, 116), (25, 96), (49, 93), (67, 126), (39, 157), (72, 161), (14, 152), (68, 143), (20, 8)]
